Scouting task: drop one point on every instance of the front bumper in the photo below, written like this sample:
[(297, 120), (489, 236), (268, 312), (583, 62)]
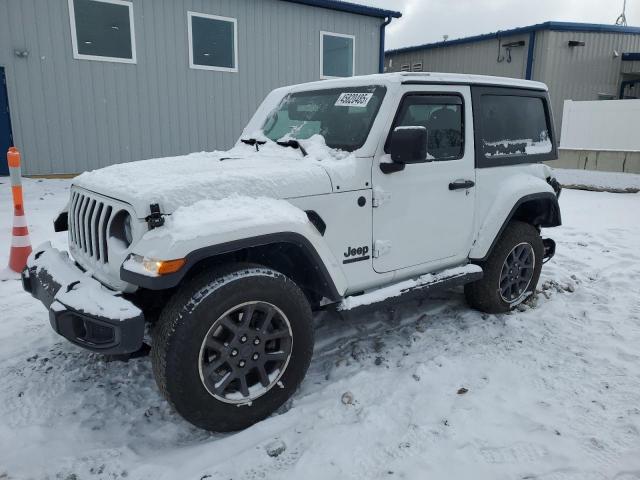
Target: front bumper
[(81, 309)]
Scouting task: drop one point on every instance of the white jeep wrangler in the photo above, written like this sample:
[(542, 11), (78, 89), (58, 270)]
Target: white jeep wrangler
[(341, 192)]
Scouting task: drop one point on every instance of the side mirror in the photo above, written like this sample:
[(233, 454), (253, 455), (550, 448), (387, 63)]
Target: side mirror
[(408, 144)]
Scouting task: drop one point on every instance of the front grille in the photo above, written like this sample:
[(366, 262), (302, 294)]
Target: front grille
[(88, 225)]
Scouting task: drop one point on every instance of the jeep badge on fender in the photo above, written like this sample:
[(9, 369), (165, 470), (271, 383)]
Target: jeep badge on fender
[(356, 254)]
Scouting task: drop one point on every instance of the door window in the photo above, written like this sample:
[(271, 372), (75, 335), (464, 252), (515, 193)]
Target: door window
[(442, 116)]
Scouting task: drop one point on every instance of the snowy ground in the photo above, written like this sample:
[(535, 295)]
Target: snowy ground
[(553, 389)]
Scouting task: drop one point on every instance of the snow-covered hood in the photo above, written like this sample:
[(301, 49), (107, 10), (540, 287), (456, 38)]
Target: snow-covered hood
[(172, 182)]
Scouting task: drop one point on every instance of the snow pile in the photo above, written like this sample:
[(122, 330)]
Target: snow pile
[(88, 296), (231, 214), (398, 289), (597, 180)]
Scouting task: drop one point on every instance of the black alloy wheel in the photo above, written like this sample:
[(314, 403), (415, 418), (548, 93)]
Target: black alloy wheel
[(517, 272), (245, 352)]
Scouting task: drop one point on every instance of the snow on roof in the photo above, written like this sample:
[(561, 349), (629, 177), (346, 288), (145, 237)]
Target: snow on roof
[(421, 77)]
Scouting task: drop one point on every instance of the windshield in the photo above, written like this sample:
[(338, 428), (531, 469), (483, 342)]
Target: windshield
[(343, 116)]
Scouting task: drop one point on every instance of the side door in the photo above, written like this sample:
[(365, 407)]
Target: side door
[(6, 140), (424, 213)]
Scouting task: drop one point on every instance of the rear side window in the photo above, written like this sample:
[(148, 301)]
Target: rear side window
[(442, 116), (512, 126)]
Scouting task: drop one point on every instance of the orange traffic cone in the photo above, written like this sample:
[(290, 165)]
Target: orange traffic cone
[(20, 243)]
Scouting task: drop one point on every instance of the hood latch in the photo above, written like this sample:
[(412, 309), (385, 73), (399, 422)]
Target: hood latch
[(156, 219)]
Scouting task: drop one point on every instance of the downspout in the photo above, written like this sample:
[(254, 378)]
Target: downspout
[(532, 46), (382, 32)]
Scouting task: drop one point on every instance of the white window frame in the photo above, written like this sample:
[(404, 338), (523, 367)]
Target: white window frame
[(342, 35), (74, 35), (195, 66)]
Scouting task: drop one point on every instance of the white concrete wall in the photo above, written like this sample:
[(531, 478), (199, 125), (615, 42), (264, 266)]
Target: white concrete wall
[(604, 125)]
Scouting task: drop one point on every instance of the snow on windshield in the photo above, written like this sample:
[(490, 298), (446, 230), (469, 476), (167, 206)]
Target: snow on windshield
[(342, 116)]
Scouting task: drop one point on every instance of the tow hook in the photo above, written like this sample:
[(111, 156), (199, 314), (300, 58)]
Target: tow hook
[(156, 219), (549, 249), (557, 188)]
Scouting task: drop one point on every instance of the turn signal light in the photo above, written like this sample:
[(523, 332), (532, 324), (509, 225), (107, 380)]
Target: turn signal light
[(170, 266), (151, 266)]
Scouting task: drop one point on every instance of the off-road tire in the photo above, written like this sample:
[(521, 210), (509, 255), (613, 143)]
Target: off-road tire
[(186, 321), (484, 294)]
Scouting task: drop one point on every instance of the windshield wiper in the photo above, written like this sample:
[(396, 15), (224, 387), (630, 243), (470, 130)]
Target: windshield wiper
[(293, 144), (253, 142)]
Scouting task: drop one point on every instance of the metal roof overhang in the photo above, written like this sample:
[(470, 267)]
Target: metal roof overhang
[(349, 7)]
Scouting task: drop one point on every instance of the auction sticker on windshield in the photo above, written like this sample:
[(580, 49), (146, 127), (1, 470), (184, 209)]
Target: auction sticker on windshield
[(353, 99)]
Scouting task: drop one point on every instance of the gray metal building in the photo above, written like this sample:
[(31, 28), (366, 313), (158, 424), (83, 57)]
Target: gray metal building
[(577, 61), (95, 82)]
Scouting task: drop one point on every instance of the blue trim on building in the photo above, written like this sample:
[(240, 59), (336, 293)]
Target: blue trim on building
[(555, 26), (631, 57), (530, 52), (382, 38), (349, 7)]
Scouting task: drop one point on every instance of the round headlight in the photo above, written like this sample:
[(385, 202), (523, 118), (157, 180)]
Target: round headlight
[(128, 235), (121, 230)]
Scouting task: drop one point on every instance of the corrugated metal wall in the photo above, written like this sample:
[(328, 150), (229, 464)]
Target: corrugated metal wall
[(581, 73), (577, 73), (479, 57), (72, 115)]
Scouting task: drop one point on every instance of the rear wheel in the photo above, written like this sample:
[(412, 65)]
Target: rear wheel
[(511, 272), (232, 346)]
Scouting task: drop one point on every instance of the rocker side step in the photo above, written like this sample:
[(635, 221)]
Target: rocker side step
[(449, 278)]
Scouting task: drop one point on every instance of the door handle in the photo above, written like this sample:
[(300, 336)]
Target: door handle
[(461, 184)]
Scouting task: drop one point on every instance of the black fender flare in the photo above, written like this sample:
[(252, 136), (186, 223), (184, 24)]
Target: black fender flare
[(552, 218), (172, 280)]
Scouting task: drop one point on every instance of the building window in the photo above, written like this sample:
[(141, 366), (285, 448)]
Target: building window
[(417, 67), (337, 55), (213, 42), (405, 68), (102, 30)]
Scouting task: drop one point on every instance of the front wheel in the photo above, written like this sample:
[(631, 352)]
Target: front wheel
[(511, 272), (233, 346)]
